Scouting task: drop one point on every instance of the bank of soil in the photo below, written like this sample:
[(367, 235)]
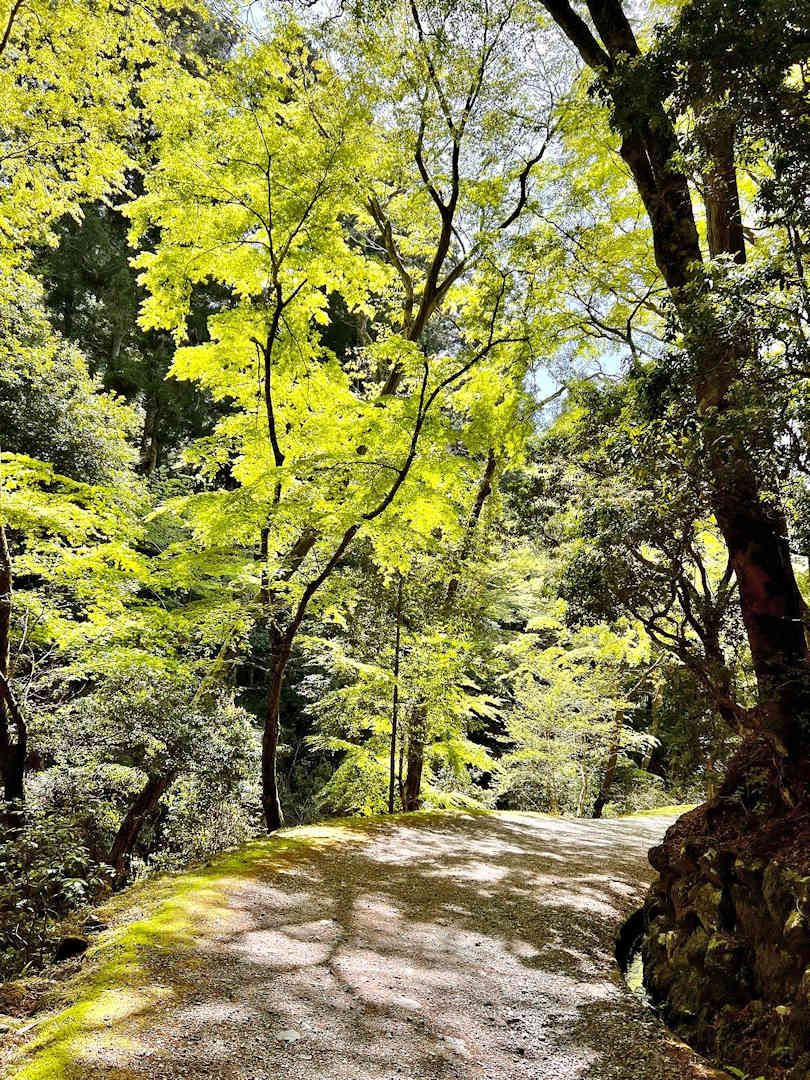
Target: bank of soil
[(433, 947)]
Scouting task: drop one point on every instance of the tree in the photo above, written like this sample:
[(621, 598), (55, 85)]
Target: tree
[(291, 180), (49, 406), (66, 78), (46, 518), (93, 300), (568, 691), (175, 725), (638, 536), (443, 703), (749, 514)]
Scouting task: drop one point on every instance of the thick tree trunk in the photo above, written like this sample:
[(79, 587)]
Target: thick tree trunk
[(271, 804), (771, 607), (134, 820), (753, 527), (416, 759), (610, 768), (724, 229)]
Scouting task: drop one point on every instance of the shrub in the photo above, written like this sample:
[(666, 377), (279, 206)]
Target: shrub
[(46, 871)]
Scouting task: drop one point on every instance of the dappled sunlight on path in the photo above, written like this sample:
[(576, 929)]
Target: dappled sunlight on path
[(450, 947)]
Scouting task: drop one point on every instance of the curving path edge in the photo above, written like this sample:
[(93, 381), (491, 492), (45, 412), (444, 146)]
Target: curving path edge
[(445, 946)]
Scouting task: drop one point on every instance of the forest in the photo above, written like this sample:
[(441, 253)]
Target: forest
[(404, 406)]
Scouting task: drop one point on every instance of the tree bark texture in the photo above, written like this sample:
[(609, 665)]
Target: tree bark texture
[(753, 527), (134, 820), (415, 759)]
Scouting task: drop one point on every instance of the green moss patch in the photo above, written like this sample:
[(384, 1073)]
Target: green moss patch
[(147, 957), (665, 811)]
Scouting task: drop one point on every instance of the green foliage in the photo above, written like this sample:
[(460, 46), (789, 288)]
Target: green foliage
[(174, 728), (359, 785), (349, 274), (46, 871), (205, 812), (93, 299), (572, 693), (51, 408), (275, 154), (67, 75)]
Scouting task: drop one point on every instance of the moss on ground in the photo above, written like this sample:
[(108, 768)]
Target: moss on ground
[(120, 981), (665, 811)]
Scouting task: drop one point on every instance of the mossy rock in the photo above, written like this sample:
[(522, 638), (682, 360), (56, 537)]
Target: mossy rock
[(695, 946), (708, 903), (750, 871), (681, 898), (796, 932), (715, 866), (747, 905), (776, 971), (779, 892)]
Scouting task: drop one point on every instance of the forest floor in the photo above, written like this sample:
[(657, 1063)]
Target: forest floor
[(447, 946)]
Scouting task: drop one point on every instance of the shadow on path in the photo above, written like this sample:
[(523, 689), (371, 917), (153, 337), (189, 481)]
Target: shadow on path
[(449, 947)]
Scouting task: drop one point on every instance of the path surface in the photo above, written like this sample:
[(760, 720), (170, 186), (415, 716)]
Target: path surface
[(460, 948)]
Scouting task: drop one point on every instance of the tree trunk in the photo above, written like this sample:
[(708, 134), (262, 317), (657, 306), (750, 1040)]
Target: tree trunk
[(134, 820), (724, 230), (416, 759), (771, 609), (271, 804), (753, 528), (149, 451), (401, 771), (483, 493), (610, 769), (395, 702), (583, 791), (13, 752)]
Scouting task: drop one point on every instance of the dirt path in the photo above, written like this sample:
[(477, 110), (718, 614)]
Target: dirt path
[(455, 948)]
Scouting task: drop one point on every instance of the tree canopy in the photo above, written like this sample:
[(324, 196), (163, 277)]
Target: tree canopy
[(400, 405)]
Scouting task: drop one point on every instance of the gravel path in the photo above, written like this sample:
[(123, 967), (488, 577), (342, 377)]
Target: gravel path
[(459, 947)]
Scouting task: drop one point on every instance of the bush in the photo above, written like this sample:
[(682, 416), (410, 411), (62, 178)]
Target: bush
[(636, 790), (46, 871), (358, 786), (201, 818)]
